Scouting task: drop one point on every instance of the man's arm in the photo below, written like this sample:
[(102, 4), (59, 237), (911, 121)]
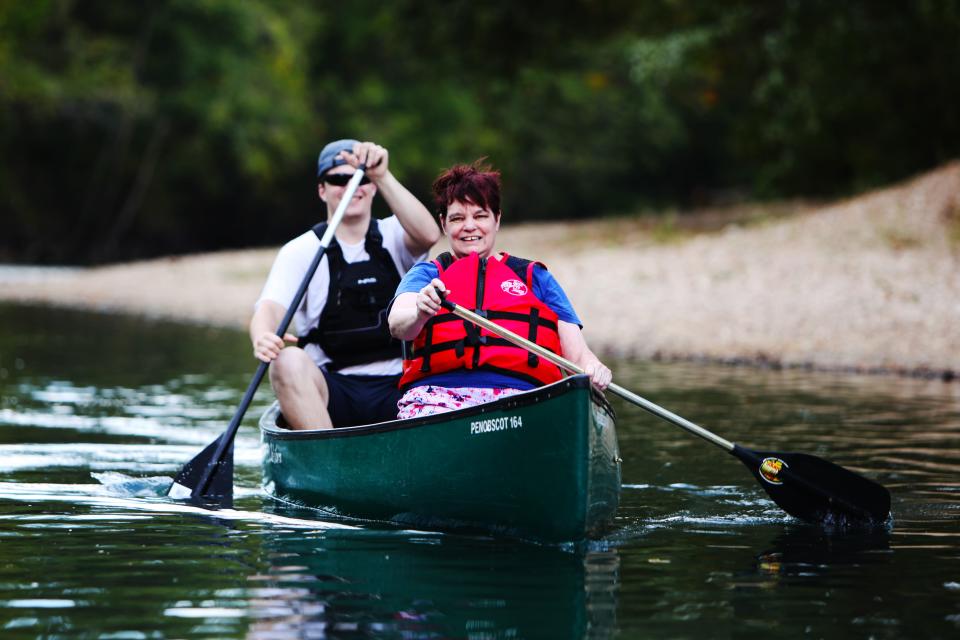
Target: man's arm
[(420, 230), (263, 325)]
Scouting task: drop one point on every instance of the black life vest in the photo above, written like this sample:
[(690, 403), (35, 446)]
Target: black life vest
[(352, 328)]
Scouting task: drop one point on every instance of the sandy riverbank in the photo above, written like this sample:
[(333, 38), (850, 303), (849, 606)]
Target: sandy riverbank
[(866, 284)]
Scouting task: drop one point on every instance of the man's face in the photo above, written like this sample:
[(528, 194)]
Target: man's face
[(330, 191)]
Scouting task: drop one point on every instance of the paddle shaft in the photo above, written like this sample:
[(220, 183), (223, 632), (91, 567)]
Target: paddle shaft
[(228, 435), (562, 362)]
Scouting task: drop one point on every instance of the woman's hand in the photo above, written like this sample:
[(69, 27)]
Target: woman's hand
[(576, 350), (428, 298), (268, 345), (411, 311), (600, 374)]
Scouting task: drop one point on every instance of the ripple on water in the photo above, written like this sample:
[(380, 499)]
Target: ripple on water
[(100, 457), (115, 496)]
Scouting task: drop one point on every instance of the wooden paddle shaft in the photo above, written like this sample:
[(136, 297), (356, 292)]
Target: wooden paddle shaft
[(562, 362)]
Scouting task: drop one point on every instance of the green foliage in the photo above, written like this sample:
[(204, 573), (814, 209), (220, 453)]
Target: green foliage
[(157, 123), (136, 129), (845, 96)]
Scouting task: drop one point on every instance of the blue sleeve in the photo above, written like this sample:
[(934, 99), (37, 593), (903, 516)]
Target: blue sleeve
[(546, 287), (417, 278)]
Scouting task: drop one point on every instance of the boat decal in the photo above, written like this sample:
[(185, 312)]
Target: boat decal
[(274, 455), (495, 424), (770, 470)]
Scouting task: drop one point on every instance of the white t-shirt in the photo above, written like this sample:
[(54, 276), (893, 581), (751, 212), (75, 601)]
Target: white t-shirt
[(291, 265)]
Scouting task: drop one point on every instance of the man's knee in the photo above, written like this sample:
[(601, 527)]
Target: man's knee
[(294, 368), (291, 365)]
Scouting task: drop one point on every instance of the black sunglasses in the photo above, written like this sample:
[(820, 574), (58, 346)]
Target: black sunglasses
[(341, 179)]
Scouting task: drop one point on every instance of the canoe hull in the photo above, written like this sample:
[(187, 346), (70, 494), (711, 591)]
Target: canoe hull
[(544, 465)]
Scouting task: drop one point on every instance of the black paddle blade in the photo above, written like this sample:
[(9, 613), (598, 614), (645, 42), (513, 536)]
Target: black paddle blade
[(817, 491), (219, 489)]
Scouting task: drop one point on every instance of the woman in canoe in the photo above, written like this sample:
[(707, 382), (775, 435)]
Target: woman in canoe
[(452, 364)]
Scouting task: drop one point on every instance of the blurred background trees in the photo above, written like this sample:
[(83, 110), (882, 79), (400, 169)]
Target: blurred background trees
[(137, 129)]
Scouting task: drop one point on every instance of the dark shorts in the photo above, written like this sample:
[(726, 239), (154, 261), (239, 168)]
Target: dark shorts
[(361, 399)]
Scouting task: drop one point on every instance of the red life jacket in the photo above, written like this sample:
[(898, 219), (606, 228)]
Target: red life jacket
[(501, 291)]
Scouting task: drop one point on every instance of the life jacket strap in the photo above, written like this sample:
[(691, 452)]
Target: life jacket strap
[(425, 367), (459, 346), (532, 359)]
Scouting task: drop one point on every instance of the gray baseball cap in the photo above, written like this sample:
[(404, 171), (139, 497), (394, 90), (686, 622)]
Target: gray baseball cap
[(328, 157)]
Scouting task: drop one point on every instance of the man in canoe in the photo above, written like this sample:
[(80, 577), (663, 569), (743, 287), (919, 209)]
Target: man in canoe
[(344, 367), (452, 364)]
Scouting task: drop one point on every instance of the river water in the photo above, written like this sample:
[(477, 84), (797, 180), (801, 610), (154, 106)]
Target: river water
[(97, 413)]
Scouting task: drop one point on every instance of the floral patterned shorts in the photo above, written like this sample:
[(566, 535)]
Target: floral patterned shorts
[(429, 400)]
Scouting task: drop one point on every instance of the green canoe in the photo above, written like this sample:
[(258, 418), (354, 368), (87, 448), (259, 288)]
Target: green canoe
[(540, 465)]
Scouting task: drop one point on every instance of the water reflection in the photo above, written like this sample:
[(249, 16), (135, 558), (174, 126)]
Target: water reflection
[(431, 587), (796, 576), (806, 552)]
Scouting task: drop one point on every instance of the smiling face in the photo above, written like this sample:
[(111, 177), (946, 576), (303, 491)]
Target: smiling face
[(331, 194), (470, 229)]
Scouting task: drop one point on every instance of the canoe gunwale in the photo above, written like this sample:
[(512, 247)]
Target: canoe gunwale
[(270, 429)]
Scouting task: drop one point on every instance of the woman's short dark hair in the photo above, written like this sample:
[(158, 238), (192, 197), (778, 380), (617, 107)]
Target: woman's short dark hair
[(476, 183)]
